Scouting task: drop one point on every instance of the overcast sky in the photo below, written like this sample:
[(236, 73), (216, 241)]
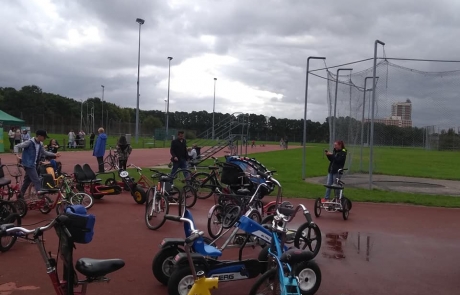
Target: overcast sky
[(257, 50)]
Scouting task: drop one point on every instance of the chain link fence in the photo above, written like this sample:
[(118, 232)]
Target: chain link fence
[(413, 109)]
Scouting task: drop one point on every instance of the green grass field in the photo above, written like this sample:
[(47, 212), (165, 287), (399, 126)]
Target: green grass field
[(413, 162)]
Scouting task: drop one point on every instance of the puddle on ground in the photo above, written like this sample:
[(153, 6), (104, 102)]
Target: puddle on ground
[(340, 245)]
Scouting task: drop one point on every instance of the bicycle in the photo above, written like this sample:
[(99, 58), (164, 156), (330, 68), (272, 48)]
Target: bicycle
[(111, 160), (202, 285), (162, 195), (9, 191), (202, 181), (95, 270), (339, 203)]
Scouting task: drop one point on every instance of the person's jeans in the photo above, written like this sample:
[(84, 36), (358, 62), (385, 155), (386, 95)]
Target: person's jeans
[(182, 164), (330, 180), (100, 164), (31, 176)]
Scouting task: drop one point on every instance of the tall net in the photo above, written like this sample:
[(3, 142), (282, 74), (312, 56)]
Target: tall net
[(413, 108)]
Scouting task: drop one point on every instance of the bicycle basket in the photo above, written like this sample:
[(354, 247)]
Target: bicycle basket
[(80, 224)]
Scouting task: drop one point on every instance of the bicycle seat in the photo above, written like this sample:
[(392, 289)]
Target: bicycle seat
[(293, 256), (165, 178), (94, 268), (286, 211)]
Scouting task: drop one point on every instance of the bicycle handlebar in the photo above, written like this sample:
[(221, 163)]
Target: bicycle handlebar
[(194, 234), (6, 229)]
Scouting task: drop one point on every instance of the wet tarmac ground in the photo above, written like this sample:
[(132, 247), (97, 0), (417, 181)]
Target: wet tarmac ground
[(380, 249)]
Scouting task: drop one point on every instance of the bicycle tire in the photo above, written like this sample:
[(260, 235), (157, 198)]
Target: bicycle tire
[(217, 211), (271, 274), (189, 196), (205, 182), (163, 201), (308, 241), (82, 199), (6, 244)]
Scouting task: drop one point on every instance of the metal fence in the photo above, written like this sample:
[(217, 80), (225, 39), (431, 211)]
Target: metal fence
[(413, 109)]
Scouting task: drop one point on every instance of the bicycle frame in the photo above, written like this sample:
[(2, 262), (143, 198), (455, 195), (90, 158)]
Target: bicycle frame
[(60, 286)]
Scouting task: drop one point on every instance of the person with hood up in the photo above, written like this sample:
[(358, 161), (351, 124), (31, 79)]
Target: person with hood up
[(124, 149), (99, 149)]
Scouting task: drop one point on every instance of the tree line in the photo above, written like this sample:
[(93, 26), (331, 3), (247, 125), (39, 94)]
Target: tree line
[(30, 103)]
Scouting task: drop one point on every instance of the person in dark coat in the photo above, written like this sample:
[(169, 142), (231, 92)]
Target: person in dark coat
[(336, 161), (179, 154), (124, 149)]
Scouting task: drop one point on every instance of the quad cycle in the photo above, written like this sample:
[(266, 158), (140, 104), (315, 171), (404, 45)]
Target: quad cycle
[(205, 256), (163, 263), (86, 181), (95, 270), (339, 203), (129, 184), (164, 194)]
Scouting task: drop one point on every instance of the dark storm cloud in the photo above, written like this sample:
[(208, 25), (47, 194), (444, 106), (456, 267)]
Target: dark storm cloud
[(271, 41)]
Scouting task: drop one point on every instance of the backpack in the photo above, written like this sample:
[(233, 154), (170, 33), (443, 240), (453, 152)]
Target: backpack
[(80, 224)]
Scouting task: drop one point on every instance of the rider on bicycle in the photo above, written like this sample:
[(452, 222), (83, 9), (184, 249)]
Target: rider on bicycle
[(336, 161)]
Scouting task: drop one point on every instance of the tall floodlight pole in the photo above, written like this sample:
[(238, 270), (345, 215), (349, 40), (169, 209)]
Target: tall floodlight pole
[(167, 103), (102, 106), (81, 114), (305, 114), (362, 123), (141, 22), (214, 107), (371, 151), (332, 137)]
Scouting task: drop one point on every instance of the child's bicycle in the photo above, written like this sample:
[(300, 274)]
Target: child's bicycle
[(202, 285), (339, 203), (94, 270)]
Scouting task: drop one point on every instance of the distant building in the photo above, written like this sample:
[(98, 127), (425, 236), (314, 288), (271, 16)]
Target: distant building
[(401, 115), (402, 109)]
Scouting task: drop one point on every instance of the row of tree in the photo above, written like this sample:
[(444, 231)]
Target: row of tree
[(30, 103)]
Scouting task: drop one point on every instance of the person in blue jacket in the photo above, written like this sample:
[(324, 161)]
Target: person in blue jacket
[(33, 151), (99, 149)]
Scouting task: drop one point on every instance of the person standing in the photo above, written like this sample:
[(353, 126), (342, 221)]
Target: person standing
[(99, 149), (124, 149), (91, 140), (11, 134), (179, 154), (336, 161), (33, 151)]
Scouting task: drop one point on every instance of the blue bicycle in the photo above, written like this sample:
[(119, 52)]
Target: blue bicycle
[(291, 272), (181, 279)]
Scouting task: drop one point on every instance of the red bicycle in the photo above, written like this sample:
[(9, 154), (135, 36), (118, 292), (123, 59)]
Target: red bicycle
[(94, 270)]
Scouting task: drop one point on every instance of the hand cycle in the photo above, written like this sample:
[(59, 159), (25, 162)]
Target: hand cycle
[(181, 280), (201, 284), (95, 270), (339, 203)]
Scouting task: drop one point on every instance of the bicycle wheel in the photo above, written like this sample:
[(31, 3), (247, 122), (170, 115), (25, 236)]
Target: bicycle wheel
[(183, 176), (215, 222), (308, 236), (82, 199), (268, 284), (204, 185), (309, 275), (8, 214), (21, 207), (189, 196), (156, 210), (46, 208)]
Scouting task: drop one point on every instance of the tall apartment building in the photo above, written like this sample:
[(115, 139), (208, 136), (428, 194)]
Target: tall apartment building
[(401, 115), (402, 109)]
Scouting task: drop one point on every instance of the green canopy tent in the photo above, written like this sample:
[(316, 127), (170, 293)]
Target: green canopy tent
[(7, 119)]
